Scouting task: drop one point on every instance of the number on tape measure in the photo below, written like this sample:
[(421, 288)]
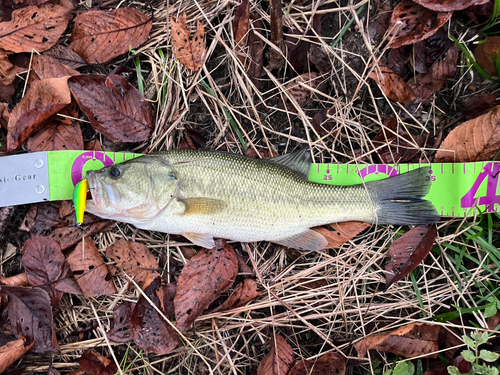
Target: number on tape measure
[(489, 172)]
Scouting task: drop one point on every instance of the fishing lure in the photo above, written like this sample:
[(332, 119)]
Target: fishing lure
[(79, 200)]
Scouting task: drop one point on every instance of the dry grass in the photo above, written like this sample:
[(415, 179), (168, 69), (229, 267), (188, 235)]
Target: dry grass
[(321, 301)]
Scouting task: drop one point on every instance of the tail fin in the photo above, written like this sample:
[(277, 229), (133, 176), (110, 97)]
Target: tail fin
[(399, 199)]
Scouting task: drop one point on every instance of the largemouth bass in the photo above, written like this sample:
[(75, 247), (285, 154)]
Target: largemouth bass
[(207, 194)]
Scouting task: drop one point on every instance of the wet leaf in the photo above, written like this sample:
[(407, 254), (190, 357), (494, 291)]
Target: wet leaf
[(256, 51), (408, 251), (16, 280), (204, 278), (485, 53), (121, 117), (449, 5), (44, 219), (240, 30), (42, 100), (56, 135), (479, 104), (30, 315), (279, 360), (8, 70), (134, 259), (121, 331), (34, 28), (328, 364), (323, 122), (241, 295), (150, 331), (342, 232), (411, 340), (400, 146), (191, 53), (299, 45), (411, 23), (300, 87), (66, 56), (192, 140), (397, 59), (428, 51), (392, 85), (48, 67), (12, 351), (275, 55), (474, 140), (167, 295), (100, 36), (46, 267), (89, 270), (95, 364)]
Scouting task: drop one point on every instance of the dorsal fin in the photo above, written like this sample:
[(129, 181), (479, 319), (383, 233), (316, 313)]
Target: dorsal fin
[(299, 161)]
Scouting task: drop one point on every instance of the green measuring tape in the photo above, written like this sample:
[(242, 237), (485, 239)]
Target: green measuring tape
[(456, 189)]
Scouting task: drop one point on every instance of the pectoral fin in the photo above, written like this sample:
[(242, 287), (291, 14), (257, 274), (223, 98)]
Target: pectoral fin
[(201, 239), (202, 206), (308, 240)]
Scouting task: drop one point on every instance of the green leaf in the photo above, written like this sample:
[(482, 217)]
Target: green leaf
[(452, 370), (411, 368), (490, 310), (488, 356), (401, 369), (481, 338), (468, 356), (469, 342)]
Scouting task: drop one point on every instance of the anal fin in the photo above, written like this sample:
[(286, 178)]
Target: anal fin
[(307, 240), (201, 239)]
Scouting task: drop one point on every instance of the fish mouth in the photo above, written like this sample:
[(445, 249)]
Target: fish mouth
[(104, 195)]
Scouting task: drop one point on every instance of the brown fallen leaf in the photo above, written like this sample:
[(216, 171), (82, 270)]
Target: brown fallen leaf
[(323, 122), (16, 280), (91, 272), (241, 295), (121, 331), (12, 351), (66, 56), (474, 140), (300, 87), (392, 85), (279, 360), (204, 278), (449, 5), (485, 52), (36, 324), (408, 251), (150, 331), (122, 117), (8, 70), (44, 219), (100, 36), (42, 100), (191, 53), (299, 44), (167, 295), (411, 340), (34, 28), (49, 67), (328, 364), (411, 23), (429, 50), (240, 30), (479, 104), (47, 268), (56, 135), (134, 259), (399, 145), (342, 232), (493, 321), (275, 56), (95, 364)]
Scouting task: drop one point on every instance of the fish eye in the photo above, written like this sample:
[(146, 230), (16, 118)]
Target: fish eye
[(115, 172)]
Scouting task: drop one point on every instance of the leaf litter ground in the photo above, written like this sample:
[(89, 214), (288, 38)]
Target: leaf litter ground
[(314, 305)]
